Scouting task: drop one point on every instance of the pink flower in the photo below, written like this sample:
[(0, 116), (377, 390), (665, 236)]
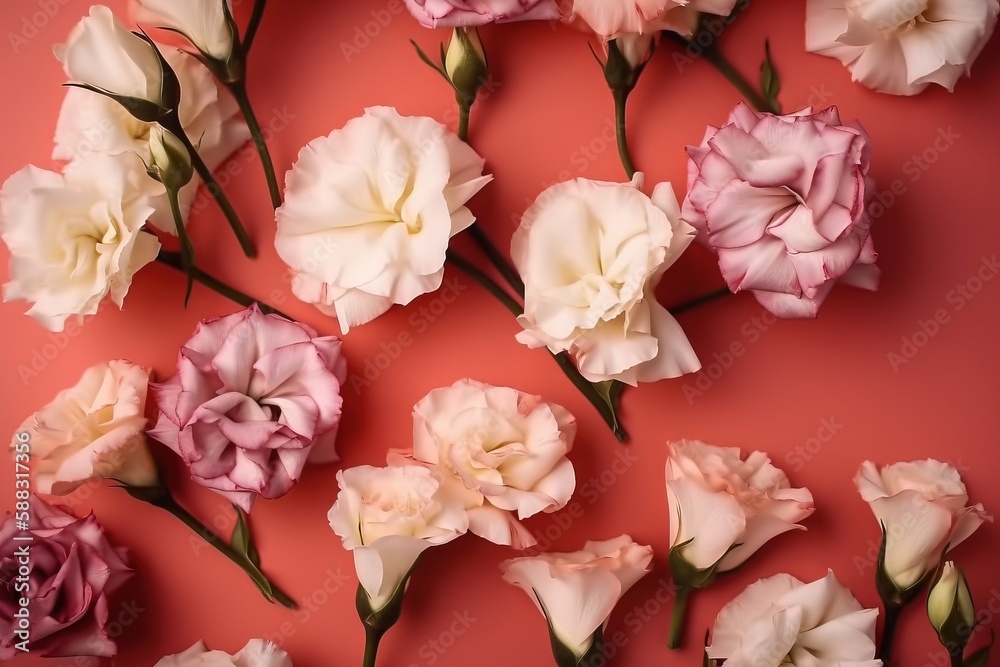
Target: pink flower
[(257, 653), (506, 449), (453, 13), (611, 19), (94, 430), (255, 397), (723, 508), (73, 571), (782, 201), (577, 591)]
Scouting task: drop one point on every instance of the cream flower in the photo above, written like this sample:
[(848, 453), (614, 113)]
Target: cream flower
[(389, 516), (257, 653), (369, 211), (92, 123), (95, 429), (591, 254), (73, 238), (203, 22), (901, 46)]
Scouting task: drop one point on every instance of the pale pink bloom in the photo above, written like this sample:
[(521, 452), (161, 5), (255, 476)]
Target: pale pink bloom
[(782, 622), (94, 430), (507, 448), (387, 517), (782, 201), (723, 508), (577, 591), (254, 398), (611, 19), (923, 506), (257, 653), (455, 13), (902, 46), (74, 571)]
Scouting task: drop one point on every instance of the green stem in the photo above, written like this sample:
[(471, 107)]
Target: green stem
[(253, 25), (162, 498), (501, 263), (174, 260), (239, 91), (173, 124), (724, 67), (586, 387), (677, 620), (187, 249), (372, 639), (621, 131), (699, 301), (892, 614), (956, 658)]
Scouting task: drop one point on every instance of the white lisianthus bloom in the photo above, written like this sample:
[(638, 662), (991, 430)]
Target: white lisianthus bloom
[(369, 211), (901, 46), (92, 123), (203, 22), (591, 254), (74, 238)]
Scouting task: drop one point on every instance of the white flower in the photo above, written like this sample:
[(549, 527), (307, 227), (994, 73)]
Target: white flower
[(779, 621), (506, 447), (922, 506), (203, 22), (102, 53), (591, 254), (388, 517), (369, 211), (901, 46), (257, 653), (92, 123), (73, 238)]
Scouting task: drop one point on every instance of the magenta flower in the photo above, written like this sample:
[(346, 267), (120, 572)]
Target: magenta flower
[(73, 571), (255, 397), (782, 201)]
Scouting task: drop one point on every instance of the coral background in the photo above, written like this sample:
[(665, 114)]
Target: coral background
[(820, 396)]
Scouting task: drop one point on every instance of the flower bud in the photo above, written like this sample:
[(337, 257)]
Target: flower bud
[(465, 62), (169, 162), (637, 49), (627, 57), (950, 608)]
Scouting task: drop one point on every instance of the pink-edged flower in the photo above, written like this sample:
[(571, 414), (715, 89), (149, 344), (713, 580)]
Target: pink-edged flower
[(902, 46), (257, 653), (923, 508), (723, 508), (506, 448), (782, 622), (455, 13), (611, 19), (254, 398), (577, 591), (93, 430), (74, 569), (782, 201)]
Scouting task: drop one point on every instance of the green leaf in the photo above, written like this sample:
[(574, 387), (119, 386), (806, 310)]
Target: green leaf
[(770, 82), (430, 63), (140, 108), (241, 539)]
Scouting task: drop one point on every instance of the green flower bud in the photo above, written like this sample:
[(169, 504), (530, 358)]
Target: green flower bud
[(950, 608), (170, 162), (465, 62)]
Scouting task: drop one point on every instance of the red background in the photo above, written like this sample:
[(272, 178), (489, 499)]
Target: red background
[(820, 396)]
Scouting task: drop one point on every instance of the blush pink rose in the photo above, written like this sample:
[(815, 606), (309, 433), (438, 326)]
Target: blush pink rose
[(73, 571), (254, 398), (611, 19), (454, 13), (782, 201)]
